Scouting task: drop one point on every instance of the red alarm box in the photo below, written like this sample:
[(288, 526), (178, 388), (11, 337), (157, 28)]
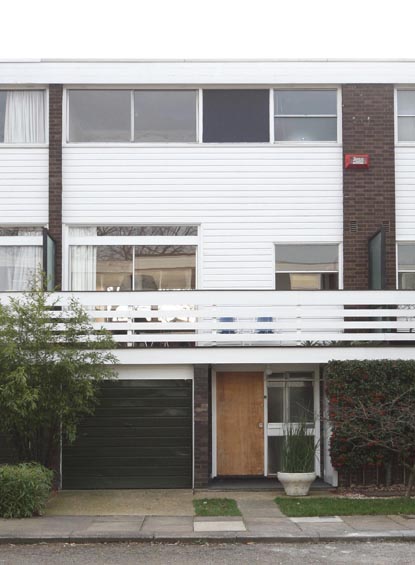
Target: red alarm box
[(353, 161)]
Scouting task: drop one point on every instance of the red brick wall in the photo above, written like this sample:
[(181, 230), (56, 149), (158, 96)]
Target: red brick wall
[(55, 173), (368, 195)]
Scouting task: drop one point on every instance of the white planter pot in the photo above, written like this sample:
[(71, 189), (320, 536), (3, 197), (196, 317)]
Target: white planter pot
[(296, 484)]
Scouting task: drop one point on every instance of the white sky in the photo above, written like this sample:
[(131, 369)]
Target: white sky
[(207, 29)]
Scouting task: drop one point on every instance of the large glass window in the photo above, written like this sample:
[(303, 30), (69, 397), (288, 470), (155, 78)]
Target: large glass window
[(305, 115), (406, 266), (164, 115), (22, 116), (406, 115), (132, 116), (133, 267), (231, 116), (99, 115), (306, 267)]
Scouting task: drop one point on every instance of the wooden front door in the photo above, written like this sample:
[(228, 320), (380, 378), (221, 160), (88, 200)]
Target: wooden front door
[(240, 424)]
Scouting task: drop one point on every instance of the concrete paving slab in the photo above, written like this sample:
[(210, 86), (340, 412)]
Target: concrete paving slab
[(42, 526), (271, 526), (316, 519), (219, 526), (167, 525), (157, 502), (407, 522), (325, 529), (217, 518), (261, 508), (371, 523), (117, 526)]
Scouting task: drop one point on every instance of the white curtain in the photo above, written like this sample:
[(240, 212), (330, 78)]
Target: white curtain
[(24, 120), (18, 266), (83, 261)]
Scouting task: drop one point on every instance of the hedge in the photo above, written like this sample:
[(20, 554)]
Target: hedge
[(24, 489), (370, 382)]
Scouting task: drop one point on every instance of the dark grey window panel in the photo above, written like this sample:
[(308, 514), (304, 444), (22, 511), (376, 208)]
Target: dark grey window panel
[(235, 116)]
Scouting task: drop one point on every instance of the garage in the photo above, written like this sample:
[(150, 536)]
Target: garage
[(139, 437)]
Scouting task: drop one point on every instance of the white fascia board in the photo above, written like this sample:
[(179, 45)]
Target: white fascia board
[(185, 72), (261, 355)]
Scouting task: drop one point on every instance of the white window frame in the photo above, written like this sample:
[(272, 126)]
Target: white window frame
[(45, 91), (339, 259), (131, 89), (397, 116), (338, 116), (68, 241), (398, 270)]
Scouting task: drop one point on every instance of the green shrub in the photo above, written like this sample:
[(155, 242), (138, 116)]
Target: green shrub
[(298, 449), (24, 489)]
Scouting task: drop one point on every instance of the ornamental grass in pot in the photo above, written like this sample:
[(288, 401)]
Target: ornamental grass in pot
[(297, 460)]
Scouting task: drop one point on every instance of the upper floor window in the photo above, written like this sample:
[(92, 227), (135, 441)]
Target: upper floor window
[(306, 267), (22, 116), (21, 257), (305, 115), (406, 266), (146, 258), (132, 116), (231, 116), (406, 115)]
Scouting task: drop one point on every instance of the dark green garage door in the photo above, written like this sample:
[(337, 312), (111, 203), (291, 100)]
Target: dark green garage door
[(139, 437)]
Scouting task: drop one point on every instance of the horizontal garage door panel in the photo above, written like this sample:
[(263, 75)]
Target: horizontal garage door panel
[(139, 437)]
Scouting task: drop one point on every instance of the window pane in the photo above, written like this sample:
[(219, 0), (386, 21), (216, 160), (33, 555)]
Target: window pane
[(15, 231), (406, 129), (275, 404), (406, 102), (321, 257), (165, 267), (147, 231), (306, 281), (22, 116), (407, 281), (303, 102), (18, 266), (164, 115), (114, 267), (305, 129), (301, 402), (99, 115), (406, 256), (275, 444), (235, 116)]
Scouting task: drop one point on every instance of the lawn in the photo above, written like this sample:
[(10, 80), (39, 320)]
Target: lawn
[(331, 506), (216, 507)]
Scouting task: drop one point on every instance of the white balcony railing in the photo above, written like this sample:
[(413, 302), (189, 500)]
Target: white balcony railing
[(250, 318)]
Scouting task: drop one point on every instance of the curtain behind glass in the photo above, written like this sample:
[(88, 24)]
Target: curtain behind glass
[(24, 120), (83, 261), (18, 266)]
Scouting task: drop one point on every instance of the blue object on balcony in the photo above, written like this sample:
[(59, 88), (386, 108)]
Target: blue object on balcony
[(227, 319), (264, 319)]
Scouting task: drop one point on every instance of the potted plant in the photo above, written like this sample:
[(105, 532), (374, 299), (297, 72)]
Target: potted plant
[(297, 460)]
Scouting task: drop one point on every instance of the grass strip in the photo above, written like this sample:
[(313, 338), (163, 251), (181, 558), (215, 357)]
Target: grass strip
[(331, 506), (216, 507)]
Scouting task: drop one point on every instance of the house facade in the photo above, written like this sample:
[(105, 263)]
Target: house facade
[(220, 218)]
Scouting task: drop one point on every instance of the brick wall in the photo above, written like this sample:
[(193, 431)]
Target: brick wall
[(368, 195), (55, 173), (201, 387)]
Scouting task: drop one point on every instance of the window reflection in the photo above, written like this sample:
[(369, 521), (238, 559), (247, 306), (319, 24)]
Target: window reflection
[(165, 267)]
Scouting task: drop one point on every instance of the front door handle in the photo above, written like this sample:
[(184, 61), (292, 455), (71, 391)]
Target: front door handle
[(260, 425)]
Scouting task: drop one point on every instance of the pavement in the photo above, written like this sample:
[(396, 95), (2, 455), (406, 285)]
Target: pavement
[(167, 516)]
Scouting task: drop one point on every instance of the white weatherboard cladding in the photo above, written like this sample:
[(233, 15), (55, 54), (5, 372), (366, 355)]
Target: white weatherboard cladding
[(405, 193), (207, 72), (24, 185), (246, 198)]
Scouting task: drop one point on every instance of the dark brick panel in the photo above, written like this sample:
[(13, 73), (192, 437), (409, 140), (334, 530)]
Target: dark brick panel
[(55, 173), (368, 195), (201, 425)]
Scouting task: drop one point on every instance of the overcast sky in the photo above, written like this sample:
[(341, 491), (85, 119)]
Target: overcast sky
[(207, 29)]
